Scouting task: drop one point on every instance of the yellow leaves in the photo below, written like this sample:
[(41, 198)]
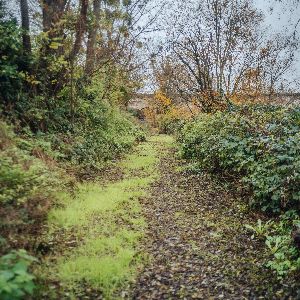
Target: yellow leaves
[(181, 113), (57, 64), (161, 99), (31, 79), (235, 99), (164, 109), (54, 45), (150, 116), (159, 106), (194, 101)]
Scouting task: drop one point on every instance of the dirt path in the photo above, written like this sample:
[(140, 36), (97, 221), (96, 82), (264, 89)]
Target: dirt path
[(198, 243), (192, 229)]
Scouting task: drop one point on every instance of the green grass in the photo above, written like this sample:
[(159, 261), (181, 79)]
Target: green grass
[(108, 224), (93, 200), (104, 262), (165, 139), (144, 161)]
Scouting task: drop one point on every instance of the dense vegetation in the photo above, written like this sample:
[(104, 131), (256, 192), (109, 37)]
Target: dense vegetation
[(68, 70), (256, 148), (61, 122), (260, 145)]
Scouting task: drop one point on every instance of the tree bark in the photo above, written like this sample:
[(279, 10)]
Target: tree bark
[(53, 11), (25, 26), (92, 36), (80, 29)]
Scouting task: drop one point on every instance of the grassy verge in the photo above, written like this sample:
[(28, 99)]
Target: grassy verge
[(103, 225)]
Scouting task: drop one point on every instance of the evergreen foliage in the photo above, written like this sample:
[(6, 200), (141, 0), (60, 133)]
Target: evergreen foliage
[(258, 145)]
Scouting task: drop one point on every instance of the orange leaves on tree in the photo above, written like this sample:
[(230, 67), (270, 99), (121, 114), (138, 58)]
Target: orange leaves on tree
[(162, 102), (162, 110)]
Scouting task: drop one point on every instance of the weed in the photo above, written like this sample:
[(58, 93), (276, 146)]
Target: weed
[(260, 229)]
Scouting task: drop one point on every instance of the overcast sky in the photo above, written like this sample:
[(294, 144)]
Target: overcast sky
[(281, 15), (282, 18)]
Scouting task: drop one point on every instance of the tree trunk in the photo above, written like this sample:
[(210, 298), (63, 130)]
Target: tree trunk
[(80, 29), (53, 31), (25, 26), (92, 36), (53, 11)]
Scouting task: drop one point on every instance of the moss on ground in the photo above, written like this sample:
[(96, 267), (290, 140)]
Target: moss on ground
[(104, 226)]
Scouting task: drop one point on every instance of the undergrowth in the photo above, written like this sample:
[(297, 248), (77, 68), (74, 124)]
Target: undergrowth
[(38, 170), (259, 146), (256, 148), (27, 187)]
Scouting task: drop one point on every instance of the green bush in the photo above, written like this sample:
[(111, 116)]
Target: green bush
[(101, 130), (15, 280), (29, 180), (11, 55), (22, 176), (258, 145), (169, 124), (104, 136), (13, 64)]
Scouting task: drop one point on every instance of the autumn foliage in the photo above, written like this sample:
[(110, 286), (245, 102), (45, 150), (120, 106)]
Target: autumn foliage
[(166, 115)]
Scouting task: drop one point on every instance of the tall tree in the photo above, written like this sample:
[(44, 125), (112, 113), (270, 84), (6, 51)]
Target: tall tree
[(80, 28), (52, 13), (92, 36), (25, 25), (213, 47), (219, 49)]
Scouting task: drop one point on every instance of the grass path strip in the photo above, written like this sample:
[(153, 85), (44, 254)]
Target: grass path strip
[(107, 224)]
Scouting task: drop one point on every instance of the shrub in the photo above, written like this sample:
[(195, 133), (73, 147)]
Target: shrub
[(164, 114), (22, 175), (258, 145), (12, 61), (14, 65), (104, 138), (15, 280), (101, 131), (29, 180), (174, 119)]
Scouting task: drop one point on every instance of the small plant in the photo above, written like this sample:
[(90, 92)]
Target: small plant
[(15, 280), (260, 229), (285, 257), (275, 243)]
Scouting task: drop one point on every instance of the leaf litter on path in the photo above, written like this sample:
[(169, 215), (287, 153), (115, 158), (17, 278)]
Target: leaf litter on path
[(198, 243)]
